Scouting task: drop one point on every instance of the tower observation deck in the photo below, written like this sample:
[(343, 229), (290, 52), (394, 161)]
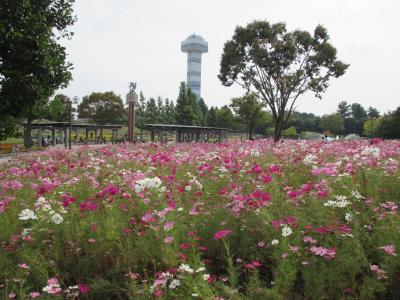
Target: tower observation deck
[(194, 45)]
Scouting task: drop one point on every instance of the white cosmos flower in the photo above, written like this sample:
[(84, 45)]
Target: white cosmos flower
[(309, 159), (274, 242), (149, 183), (348, 217), (185, 268), (27, 214), (40, 201), (340, 203), (375, 152), (286, 231), (356, 194), (46, 207), (26, 231), (201, 269), (174, 283), (57, 218)]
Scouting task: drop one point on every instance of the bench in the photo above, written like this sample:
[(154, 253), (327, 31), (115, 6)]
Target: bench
[(8, 148)]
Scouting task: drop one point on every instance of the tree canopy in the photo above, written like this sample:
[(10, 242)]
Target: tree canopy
[(279, 66), (332, 123), (389, 126), (32, 62), (58, 109), (102, 108), (187, 110), (249, 110)]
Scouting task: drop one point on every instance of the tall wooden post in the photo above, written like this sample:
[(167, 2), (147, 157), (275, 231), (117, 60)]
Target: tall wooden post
[(131, 117)]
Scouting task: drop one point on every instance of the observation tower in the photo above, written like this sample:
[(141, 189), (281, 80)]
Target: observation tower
[(194, 45)]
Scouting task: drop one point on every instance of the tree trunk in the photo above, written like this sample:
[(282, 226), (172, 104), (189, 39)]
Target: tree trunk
[(250, 133), (278, 129), (28, 135)]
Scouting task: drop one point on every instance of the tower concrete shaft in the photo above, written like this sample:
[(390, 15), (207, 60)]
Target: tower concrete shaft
[(194, 46)]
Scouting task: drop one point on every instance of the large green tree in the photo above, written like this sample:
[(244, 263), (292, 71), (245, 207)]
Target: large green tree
[(304, 121), (279, 66), (7, 127), (58, 109), (249, 110), (169, 112), (203, 110), (102, 108), (359, 114), (332, 123), (370, 126), (344, 109), (212, 116), (373, 116), (186, 107), (225, 117), (152, 115), (389, 126), (32, 62)]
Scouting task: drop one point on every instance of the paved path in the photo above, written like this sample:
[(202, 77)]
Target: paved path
[(4, 159)]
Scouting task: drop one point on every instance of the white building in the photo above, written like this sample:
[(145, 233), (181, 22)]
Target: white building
[(194, 46)]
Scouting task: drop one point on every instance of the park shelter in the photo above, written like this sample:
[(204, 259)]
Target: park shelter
[(65, 128), (187, 133)]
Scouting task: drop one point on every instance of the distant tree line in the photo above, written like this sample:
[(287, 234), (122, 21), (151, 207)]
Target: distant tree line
[(188, 110)]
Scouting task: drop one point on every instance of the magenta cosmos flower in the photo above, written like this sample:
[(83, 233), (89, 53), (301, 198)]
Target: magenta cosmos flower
[(222, 233)]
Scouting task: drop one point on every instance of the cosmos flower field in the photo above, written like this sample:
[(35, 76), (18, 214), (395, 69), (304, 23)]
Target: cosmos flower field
[(243, 220)]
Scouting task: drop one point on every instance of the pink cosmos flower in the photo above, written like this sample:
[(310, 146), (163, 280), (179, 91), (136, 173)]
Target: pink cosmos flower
[(222, 233), (266, 178), (276, 224), (34, 295), (293, 194), (23, 266), (380, 273), (53, 287), (84, 289), (254, 264), (52, 281), (168, 240), (389, 249), (133, 275), (126, 195), (147, 218), (309, 239), (257, 169), (87, 206), (158, 293), (327, 253)]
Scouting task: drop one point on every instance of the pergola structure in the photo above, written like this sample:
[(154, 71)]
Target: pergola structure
[(186, 133), (65, 127)]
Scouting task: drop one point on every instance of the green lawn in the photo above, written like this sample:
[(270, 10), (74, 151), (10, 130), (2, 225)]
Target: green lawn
[(13, 141)]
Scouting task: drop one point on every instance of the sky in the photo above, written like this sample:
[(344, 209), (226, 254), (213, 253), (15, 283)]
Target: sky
[(119, 41)]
